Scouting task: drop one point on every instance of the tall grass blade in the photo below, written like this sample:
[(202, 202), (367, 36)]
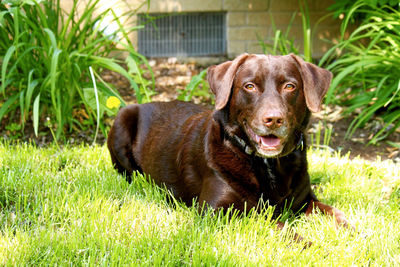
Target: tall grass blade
[(97, 104), (35, 114)]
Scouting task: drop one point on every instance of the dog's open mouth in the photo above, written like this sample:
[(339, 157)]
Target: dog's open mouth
[(268, 141), (267, 145)]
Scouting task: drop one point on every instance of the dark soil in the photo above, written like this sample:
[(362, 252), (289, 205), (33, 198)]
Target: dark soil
[(172, 76), (358, 143)]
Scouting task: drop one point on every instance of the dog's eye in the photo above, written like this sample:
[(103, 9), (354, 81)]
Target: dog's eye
[(289, 86), (250, 86)]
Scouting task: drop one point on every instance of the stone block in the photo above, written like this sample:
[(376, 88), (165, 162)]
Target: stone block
[(236, 48), (327, 32), (320, 47), (248, 5), (236, 19), (294, 5), (246, 33), (258, 19), (167, 6), (284, 5), (254, 47), (282, 19), (323, 20)]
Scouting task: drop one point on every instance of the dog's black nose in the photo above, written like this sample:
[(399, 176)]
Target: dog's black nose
[(273, 120)]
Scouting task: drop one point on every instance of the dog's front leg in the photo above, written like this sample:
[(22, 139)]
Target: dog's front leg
[(339, 216)]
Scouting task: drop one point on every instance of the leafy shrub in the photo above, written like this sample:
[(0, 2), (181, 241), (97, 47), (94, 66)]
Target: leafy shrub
[(367, 72), (341, 7), (46, 55)]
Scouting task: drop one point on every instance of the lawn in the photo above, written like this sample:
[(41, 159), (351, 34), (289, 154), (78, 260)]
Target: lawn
[(69, 207)]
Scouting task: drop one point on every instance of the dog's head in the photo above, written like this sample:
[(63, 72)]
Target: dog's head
[(267, 99)]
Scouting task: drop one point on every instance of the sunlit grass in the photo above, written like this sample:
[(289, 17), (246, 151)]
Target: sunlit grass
[(70, 207)]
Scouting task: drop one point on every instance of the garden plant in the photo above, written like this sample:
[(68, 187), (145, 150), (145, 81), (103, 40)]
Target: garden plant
[(367, 69), (46, 54)]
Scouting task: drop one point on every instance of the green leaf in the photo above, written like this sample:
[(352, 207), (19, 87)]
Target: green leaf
[(111, 65), (52, 37), (4, 108), (29, 91), (4, 65), (54, 91), (2, 14), (90, 100), (134, 69), (394, 94), (132, 65), (393, 144)]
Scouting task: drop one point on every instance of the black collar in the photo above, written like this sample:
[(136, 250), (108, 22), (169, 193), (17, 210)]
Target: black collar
[(239, 142)]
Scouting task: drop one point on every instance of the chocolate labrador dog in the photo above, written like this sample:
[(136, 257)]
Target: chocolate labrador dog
[(250, 147)]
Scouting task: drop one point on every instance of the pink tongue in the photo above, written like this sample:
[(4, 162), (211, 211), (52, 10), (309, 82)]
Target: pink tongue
[(267, 141), (270, 140)]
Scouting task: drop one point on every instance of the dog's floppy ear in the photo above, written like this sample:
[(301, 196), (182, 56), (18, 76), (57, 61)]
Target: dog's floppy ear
[(316, 82), (220, 77)]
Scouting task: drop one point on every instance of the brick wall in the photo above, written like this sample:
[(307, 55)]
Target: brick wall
[(248, 18)]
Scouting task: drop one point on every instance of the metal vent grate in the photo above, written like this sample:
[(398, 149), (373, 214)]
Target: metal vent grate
[(193, 34)]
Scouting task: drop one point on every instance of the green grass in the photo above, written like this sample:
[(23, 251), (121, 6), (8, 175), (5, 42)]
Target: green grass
[(69, 207)]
